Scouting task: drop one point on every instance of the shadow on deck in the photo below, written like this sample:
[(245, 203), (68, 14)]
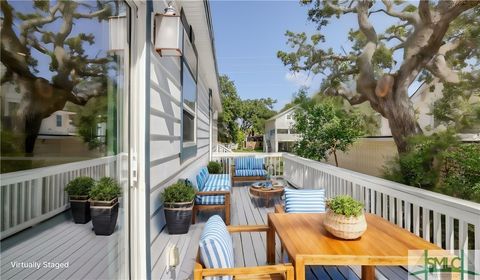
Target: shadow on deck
[(61, 249), (249, 248)]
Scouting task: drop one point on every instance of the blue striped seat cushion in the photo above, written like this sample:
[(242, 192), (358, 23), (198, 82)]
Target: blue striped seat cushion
[(216, 246), (202, 178), (212, 199), (219, 180), (243, 163), (304, 201), (250, 172)]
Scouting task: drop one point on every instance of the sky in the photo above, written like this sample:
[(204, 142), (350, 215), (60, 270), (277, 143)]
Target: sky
[(248, 35)]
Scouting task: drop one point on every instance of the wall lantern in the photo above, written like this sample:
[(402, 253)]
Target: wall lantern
[(117, 29), (168, 32)]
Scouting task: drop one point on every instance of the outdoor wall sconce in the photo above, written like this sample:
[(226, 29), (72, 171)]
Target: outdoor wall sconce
[(168, 32), (117, 37)]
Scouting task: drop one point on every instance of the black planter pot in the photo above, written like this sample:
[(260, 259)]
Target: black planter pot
[(80, 207), (178, 217), (104, 216)]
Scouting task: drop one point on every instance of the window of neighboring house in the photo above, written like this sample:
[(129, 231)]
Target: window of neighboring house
[(282, 131), (59, 120), (12, 108), (189, 95), (272, 132), (289, 116), (293, 131)]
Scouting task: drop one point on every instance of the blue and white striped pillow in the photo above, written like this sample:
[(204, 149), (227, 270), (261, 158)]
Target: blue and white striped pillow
[(257, 163), (216, 246), (202, 178), (304, 201)]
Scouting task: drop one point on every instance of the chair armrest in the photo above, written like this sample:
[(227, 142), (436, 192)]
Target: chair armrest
[(252, 228), (256, 270), (214, 193), (279, 208)]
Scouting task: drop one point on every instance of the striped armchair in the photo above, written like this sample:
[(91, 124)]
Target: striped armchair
[(213, 193), (215, 258), (248, 169)]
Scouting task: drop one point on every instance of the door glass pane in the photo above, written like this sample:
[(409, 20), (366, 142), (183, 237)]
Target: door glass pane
[(64, 98), (189, 89), (188, 127)]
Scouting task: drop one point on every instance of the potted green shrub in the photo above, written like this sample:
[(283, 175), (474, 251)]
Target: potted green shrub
[(104, 205), (78, 191), (178, 206), (345, 218), (214, 167)]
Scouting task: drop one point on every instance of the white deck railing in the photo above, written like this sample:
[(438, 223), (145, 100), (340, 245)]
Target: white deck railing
[(32, 196), (449, 222), (273, 161), (220, 148)]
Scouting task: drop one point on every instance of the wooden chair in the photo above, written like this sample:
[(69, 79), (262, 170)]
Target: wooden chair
[(246, 178), (213, 207), (267, 272)]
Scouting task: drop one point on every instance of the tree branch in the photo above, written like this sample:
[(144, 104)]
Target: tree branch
[(352, 97), (343, 10), (424, 11), (410, 17), (366, 78)]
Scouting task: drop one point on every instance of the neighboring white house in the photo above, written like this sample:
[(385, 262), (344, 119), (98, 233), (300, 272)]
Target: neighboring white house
[(280, 135)]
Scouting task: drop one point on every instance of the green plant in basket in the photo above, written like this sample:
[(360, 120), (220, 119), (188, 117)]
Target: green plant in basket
[(80, 186), (105, 189), (181, 191), (345, 205), (214, 167)]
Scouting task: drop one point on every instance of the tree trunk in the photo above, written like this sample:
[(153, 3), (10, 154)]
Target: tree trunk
[(335, 155), (399, 111)]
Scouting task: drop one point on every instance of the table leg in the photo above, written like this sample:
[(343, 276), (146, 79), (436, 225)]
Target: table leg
[(270, 243), (299, 269), (368, 272)]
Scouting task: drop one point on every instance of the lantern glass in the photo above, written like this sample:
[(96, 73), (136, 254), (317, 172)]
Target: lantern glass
[(168, 35), (117, 33)]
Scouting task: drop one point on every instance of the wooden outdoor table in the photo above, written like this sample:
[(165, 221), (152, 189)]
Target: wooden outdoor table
[(308, 243)]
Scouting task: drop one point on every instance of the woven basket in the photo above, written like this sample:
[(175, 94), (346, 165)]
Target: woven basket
[(343, 227)]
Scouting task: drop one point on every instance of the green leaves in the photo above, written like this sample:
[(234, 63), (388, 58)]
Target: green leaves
[(80, 186), (241, 116), (325, 128), (178, 192), (105, 189), (214, 167), (345, 205)]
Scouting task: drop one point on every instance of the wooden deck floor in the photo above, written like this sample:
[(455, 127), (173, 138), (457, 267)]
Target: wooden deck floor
[(249, 247), (59, 240)]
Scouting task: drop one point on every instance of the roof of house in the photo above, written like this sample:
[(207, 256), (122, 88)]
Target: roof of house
[(282, 113)]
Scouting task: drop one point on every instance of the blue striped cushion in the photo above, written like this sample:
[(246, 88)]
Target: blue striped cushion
[(257, 163), (219, 180), (250, 172), (216, 246), (242, 163), (304, 201), (211, 199), (202, 178)]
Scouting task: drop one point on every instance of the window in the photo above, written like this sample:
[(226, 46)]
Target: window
[(293, 131), (189, 93), (59, 120), (272, 132), (289, 116), (282, 131)]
